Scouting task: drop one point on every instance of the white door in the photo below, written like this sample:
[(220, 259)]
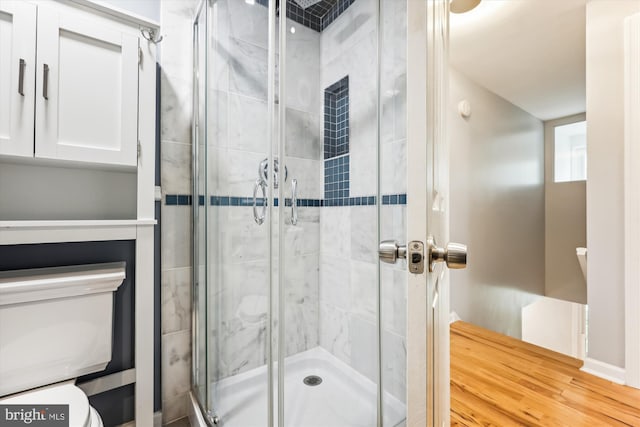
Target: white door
[(428, 215), (17, 70), (86, 90)]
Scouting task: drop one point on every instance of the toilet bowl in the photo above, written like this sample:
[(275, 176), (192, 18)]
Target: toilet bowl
[(81, 414), (55, 326)]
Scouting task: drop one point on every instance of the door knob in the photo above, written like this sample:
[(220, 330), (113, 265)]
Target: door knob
[(454, 255), (390, 251)]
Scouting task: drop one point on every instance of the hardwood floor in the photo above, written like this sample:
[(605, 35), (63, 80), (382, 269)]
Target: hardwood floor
[(500, 381)]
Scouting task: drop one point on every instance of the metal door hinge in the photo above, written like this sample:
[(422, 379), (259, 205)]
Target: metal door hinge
[(139, 55), (139, 149)]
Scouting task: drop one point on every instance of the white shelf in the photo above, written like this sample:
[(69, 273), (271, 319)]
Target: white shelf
[(29, 232)]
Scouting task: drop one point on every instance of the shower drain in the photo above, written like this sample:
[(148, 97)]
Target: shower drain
[(312, 380)]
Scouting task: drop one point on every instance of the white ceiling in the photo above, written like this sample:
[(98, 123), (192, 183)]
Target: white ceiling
[(530, 52)]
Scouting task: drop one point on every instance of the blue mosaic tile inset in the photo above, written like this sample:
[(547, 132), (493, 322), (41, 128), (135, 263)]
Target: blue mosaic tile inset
[(336, 119), (336, 179)]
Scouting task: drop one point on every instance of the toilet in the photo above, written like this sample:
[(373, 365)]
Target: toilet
[(56, 325)]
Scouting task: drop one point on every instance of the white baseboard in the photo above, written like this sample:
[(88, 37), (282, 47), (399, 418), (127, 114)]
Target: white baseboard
[(453, 317), (604, 370)]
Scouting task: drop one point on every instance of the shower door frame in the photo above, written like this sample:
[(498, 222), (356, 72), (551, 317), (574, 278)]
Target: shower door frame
[(201, 13)]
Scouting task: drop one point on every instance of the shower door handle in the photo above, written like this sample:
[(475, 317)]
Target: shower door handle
[(259, 218), (294, 202)]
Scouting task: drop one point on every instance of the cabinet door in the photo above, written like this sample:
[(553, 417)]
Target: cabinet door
[(86, 90), (17, 77)]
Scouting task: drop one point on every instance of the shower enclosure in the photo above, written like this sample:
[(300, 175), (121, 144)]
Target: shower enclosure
[(300, 153)]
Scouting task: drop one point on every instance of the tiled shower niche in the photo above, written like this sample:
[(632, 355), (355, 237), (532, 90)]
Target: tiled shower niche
[(336, 119), (336, 143)]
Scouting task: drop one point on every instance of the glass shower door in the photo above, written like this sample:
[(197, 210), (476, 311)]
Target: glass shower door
[(342, 114), (233, 181)]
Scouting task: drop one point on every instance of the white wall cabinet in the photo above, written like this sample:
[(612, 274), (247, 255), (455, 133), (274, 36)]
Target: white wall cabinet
[(84, 86), (17, 81)]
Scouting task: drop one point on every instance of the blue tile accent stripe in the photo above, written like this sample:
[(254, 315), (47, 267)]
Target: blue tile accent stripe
[(178, 200), (186, 200)]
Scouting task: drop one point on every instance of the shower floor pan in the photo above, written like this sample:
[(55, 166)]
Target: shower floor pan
[(344, 398)]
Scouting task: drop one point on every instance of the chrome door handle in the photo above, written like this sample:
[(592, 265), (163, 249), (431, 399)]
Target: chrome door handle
[(294, 202), (21, 77), (259, 218), (454, 255), (390, 251)]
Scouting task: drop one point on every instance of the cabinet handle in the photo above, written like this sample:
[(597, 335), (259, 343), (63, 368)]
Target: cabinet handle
[(45, 82), (21, 77)]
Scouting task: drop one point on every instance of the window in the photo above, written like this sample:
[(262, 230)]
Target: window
[(570, 152)]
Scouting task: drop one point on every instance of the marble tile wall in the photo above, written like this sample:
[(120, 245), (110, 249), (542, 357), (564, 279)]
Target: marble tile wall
[(176, 113), (238, 118), (348, 235)]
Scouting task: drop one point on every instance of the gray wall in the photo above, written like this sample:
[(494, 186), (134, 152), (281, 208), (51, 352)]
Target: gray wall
[(565, 226), (71, 192), (497, 207), (605, 198)]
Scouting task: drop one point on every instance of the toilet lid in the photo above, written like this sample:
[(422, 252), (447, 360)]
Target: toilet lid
[(59, 394)]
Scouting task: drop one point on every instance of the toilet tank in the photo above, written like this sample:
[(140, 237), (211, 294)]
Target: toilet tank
[(55, 323)]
